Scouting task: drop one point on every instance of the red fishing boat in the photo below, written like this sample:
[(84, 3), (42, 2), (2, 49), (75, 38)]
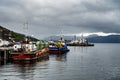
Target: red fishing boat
[(27, 51)]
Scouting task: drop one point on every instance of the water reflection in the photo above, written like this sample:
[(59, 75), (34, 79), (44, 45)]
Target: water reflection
[(61, 57), (26, 71), (101, 62), (80, 49)]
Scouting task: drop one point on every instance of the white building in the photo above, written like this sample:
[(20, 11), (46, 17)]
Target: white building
[(4, 42)]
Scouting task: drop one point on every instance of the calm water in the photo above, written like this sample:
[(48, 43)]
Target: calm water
[(101, 62)]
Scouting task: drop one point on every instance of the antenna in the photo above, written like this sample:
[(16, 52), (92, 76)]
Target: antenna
[(62, 35), (75, 38), (26, 30), (82, 37)]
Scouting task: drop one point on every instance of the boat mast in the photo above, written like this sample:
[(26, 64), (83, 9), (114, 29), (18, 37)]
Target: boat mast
[(75, 38), (82, 37), (26, 30), (61, 38)]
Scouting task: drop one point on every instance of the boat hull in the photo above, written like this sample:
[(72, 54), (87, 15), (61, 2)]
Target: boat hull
[(80, 44), (22, 56), (58, 50)]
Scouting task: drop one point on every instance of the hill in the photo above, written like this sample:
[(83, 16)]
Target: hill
[(105, 39), (8, 34)]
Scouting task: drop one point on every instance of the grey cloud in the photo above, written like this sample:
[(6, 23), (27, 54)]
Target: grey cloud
[(47, 17)]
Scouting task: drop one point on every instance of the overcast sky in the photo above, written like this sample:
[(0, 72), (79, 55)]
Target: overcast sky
[(50, 17)]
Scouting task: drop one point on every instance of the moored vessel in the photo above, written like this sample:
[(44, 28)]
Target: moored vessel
[(27, 51), (81, 42), (58, 47)]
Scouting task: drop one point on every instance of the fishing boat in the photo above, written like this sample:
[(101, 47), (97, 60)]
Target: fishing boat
[(81, 42), (27, 51), (58, 47)]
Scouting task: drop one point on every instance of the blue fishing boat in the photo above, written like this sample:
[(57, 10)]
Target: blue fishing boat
[(58, 47)]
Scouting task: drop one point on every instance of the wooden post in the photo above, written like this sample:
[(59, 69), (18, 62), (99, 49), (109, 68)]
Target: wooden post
[(0, 58), (4, 56)]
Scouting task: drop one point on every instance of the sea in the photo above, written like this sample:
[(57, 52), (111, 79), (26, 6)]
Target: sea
[(100, 62)]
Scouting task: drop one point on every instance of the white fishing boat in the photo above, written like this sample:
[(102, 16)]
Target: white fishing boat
[(81, 42)]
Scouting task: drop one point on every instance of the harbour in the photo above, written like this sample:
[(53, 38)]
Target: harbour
[(59, 40), (100, 62)]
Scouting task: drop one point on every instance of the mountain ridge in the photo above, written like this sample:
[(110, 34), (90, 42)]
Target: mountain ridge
[(91, 38)]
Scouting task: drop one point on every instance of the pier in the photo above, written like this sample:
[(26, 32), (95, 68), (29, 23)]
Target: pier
[(5, 53)]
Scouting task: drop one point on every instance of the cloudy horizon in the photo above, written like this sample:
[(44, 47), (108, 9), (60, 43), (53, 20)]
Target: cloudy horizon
[(89, 34), (50, 17)]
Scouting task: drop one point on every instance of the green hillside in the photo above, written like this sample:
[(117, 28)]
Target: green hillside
[(5, 33)]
